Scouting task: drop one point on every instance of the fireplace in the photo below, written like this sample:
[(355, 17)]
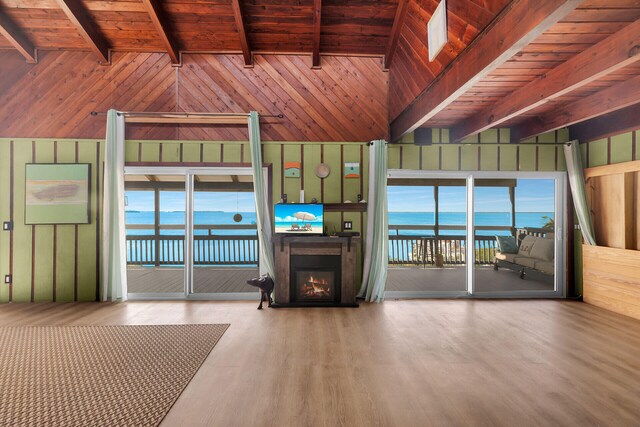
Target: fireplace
[(315, 271), (315, 279)]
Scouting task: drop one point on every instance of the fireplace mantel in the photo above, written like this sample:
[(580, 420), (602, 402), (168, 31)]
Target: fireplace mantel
[(287, 246)]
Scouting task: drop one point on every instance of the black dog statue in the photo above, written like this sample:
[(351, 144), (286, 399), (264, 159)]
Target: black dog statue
[(265, 284)]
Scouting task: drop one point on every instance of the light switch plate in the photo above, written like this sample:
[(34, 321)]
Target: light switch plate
[(7, 278), (7, 225)]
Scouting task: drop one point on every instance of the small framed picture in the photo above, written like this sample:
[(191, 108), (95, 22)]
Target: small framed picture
[(351, 170), (57, 193)]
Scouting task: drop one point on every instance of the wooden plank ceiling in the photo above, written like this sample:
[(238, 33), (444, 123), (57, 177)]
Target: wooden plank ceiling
[(504, 65), (537, 88)]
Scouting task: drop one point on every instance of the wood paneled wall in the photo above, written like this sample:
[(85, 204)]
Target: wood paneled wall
[(345, 100)]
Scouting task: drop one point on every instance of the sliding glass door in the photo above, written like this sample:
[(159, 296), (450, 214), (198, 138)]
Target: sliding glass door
[(155, 230), (482, 234), (191, 232)]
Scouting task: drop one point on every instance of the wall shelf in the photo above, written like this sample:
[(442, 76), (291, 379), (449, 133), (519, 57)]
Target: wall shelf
[(345, 207)]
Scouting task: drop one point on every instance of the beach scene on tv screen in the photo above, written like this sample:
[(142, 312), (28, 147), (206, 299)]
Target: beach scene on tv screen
[(290, 218)]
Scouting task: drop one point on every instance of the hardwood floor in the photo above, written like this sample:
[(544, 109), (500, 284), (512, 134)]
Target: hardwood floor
[(400, 363)]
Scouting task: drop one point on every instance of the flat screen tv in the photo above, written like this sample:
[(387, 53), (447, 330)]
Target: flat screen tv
[(299, 218)]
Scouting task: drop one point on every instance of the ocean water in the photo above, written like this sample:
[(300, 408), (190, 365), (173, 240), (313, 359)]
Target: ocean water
[(523, 219)]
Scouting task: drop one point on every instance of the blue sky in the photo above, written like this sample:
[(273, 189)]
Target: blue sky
[(532, 195), (203, 201)]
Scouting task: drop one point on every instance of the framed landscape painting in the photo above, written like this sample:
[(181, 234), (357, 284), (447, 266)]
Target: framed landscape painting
[(57, 193)]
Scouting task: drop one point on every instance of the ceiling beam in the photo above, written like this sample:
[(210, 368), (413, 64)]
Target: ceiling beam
[(396, 29), (160, 22), (77, 14), (611, 99), (18, 40), (517, 25), (611, 54), (317, 17), (625, 120), (244, 41)]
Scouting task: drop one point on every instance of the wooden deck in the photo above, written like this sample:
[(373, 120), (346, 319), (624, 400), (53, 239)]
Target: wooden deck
[(453, 279), (206, 279)]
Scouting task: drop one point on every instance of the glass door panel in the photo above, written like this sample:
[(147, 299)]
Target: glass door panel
[(427, 223), (225, 240), (514, 235), (155, 229)]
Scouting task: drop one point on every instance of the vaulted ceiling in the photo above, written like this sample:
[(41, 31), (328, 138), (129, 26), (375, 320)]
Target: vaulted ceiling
[(533, 65)]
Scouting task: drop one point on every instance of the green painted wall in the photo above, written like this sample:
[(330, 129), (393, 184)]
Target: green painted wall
[(76, 277), (40, 274)]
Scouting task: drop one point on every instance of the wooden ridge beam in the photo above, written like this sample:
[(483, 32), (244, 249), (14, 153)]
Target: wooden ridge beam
[(77, 14), (18, 40), (602, 102), (317, 17), (161, 24), (620, 121), (517, 25), (244, 41), (615, 52), (396, 29)]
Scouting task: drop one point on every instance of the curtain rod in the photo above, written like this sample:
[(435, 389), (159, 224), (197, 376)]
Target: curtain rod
[(476, 144), (190, 114)]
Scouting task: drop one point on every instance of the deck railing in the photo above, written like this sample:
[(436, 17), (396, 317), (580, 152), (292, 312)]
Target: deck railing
[(425, 250), (208, 249)]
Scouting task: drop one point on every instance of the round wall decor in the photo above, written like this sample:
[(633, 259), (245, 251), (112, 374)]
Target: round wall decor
[(323, 170)]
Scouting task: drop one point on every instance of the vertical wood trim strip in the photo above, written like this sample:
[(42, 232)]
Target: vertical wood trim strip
[(479, 158), (419, 158), (633, 145), (459, 157), (33, 236), (518, 158), (282, 169), (362, 169), (181, 151), (555, 149), (302, 168), (98, 206), (55, 235), (498, 150), (139, 151), (439, 158), (160, 152), (401, 155), (75, 250), (11, 196), (609, 150), (241, 153), (201, 152), (322, 179), (342, 173), (588, 163), (537, 156), (221, 153)]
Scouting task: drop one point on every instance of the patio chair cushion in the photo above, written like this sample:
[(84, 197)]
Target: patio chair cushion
[(542, 249), (525, 261), (507, 244), (526, 245), (545, 266)]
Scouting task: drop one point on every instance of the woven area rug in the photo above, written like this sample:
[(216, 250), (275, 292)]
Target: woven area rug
[(98, 375)]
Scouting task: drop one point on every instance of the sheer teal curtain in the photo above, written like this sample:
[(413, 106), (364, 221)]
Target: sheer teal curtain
[(376, 258), (114, 257), (576, 181), (263, 216)]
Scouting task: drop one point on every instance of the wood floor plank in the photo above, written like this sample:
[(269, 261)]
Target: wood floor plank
[(400, 363)]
